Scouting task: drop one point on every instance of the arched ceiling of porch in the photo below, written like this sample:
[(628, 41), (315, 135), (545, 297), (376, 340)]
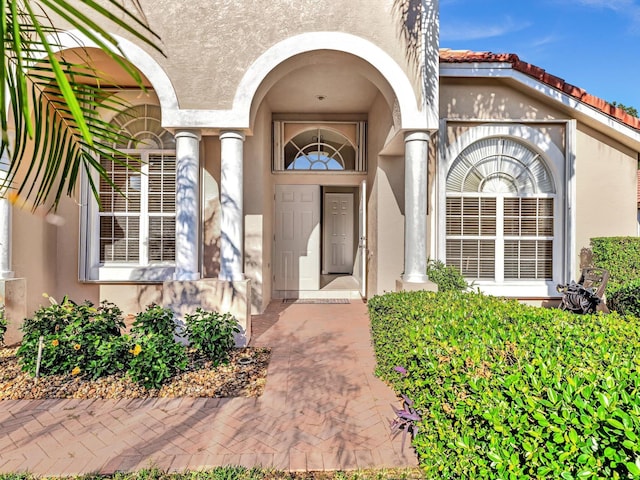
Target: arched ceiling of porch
[(320, 82), (111, 74)]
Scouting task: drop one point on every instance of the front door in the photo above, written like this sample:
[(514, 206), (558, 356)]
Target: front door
[(297, 239), (338, 233)]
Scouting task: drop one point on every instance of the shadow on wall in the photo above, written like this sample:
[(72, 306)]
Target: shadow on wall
[(211, 238), (413, 21), (253, 267), (184, 297)]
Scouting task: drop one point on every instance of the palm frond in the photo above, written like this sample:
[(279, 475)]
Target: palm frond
[(48, 105)]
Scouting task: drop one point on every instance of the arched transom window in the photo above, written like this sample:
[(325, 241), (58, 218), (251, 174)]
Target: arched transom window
[(139, 226), (319, 146), (319, 149), (500, 212)]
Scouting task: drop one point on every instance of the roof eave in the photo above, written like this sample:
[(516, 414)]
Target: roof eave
[(624, 133)]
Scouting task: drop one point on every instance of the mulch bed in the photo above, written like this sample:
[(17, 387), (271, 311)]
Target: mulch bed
[(244, 376)]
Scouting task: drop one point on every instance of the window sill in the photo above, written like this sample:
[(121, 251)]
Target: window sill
[(130, 274), (515, 288)]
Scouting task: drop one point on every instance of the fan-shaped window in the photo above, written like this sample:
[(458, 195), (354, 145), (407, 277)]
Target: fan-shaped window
[(143, 130), (137, 212), (319, 147), (500, 212)]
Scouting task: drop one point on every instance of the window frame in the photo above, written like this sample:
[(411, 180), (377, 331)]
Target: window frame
[(90, 267), (534, 138)]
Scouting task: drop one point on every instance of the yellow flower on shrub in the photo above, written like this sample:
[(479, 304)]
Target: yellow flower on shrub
[(136, 350), (76, 346), (75, 371), (55, 342)]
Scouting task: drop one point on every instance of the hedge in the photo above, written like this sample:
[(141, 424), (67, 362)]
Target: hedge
[(620, 256), (512, 391), (625, 299)]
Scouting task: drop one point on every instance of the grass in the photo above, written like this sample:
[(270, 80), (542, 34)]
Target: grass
[(242, 473)]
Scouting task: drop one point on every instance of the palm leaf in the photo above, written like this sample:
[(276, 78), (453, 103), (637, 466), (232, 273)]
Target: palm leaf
[(50, 129)]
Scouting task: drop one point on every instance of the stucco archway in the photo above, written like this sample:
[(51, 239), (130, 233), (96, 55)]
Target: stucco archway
[(370, 60), (144, 62)]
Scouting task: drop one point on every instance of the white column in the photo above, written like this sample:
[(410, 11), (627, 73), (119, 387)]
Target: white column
[(5, 217), (415, 207), (187, 205), (5, 239), (231, 200)]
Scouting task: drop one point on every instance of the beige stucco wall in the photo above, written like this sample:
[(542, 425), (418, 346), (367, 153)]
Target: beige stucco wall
[(493, 99), (211, 211), (257, 210), (226, 36), (34, 256), (606, 179), (386, 205)]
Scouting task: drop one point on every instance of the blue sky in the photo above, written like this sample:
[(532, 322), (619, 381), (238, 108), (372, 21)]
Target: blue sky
[(593, 44)]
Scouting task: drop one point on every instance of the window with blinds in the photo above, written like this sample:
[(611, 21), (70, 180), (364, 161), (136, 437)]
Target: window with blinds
[(471, 231), (137, 212), (500, 213), (528, 238)]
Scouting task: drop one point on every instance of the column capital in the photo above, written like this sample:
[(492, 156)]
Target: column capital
[(419, 135), (232, 134), (188, 133)]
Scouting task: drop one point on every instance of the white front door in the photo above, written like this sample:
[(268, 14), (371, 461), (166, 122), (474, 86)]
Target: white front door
[(338, 233), (297, 238)]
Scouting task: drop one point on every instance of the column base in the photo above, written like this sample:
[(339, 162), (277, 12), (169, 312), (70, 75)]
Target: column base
[(186, 276), (411, 286), (13, 295), (237, 278), (414, 277), (183, 297)]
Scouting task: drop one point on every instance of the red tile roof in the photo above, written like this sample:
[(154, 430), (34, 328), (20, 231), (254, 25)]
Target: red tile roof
[(467, 56)]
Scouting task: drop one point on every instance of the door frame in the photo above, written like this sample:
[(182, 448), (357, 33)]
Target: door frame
[(359, 193)]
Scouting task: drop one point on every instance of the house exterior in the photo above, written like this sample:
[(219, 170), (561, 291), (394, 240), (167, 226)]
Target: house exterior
[(306, 149)]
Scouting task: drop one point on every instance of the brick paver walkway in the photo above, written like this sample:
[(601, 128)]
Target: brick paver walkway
[(322, 409)]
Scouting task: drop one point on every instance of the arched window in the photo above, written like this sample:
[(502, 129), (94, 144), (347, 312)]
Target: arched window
[(139, 226), (500, 216), (319, 146), (319, 149)]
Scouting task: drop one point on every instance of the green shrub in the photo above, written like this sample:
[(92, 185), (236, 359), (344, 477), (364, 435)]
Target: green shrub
[(211, 333), (155, 356), (620, 256), (448, 278), (3, 324), (155, 320), (625, 299), (77, 339), (512, 391)]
